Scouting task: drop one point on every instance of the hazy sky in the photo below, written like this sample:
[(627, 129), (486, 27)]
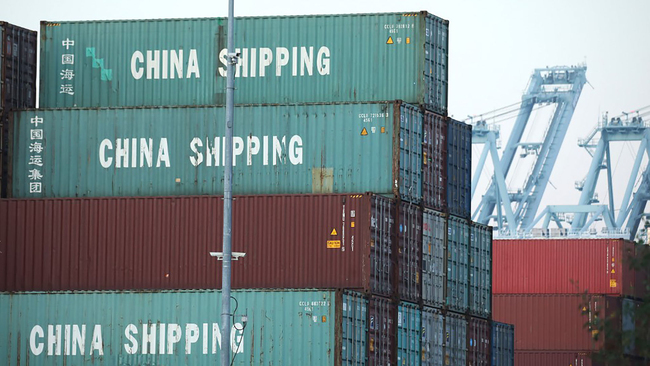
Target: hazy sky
[(494, 47)]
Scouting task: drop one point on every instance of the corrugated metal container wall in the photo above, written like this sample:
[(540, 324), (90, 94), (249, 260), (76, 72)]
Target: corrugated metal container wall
[(478, 339), (629, 308), (409, 336), (480, 270), (503, 344), (434, 261), (432, 336), (457, 297), (410, 159), (455, 339), (381, 332), (409, 255), (316, 148), (180, 328), (290, 59), (642, 275), (434, 167), (297, 241), (553, 358), (17, 82), (556, 322), (459, 168), (553, 266)]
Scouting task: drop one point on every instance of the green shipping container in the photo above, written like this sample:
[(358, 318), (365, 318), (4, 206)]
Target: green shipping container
[(291, 149), (182, 328), (289, 59)]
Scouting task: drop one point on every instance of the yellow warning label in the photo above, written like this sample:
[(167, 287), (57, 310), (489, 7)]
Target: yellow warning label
[(584, 308), (383, 130), (333, 232), (364, 132), (333, 244), (390, 40), (408, 40), (613, 270), (352, 224), (424, 157), (612, 283)]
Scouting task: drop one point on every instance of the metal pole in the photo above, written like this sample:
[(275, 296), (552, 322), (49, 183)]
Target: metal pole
[(227, 193)]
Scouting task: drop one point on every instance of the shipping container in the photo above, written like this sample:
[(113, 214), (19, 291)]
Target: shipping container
[(478, 342), (642, 271), (562, 322), (455, 339), (503, 344), (434, 166), (409, 255), (458, 242), (382, 344), (282, 59), (182, 328), (433, 336), (554, 358), (459, 168), (290, 149), (409, 334), (480, 270), (17, 82), (563, 266), (434, 260), (295, 241)]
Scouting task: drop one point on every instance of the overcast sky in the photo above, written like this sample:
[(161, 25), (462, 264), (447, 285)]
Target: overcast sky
[(494, 47)]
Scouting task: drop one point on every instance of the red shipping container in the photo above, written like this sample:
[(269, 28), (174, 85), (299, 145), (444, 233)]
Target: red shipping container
[(434, 165), (562, 266), (296, 241), (555, 322), (553, 358), (479, 334)]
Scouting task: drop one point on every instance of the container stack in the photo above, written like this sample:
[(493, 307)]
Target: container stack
[(555, 290), (352, 193)]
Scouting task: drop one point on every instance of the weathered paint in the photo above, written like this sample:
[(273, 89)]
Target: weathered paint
[(409, 255), (559, 322), (315, 148), (478, 342), (503, 344), (459, 168), (283, 59), (432, 337), (455, 339), (458, 242), (434, 162), (480, 270), (292, 241), (182, 328), (563, 266), (17, 82), (434, 260), (382, 314), (409, 334)]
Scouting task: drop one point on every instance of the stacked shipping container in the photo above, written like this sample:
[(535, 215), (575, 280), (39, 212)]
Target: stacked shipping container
[(555, 290), (411, 274)]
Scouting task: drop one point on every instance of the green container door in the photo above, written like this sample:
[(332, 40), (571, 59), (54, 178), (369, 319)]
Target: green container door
[(181, 328), (292, 59), (336, 148)]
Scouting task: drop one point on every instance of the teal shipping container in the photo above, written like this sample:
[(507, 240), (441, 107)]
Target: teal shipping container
[(433, 340), (290, 149), (458, 243), (182, 328), (434, 262), (409, 334), (503, 344), (480, 270), (281, 59)]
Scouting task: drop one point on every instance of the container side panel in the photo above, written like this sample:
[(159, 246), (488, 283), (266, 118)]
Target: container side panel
[(166, 328), (297, 59), (553, 358)]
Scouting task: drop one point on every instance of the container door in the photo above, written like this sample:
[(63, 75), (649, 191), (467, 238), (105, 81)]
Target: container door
[(354, 329), (410, 165)]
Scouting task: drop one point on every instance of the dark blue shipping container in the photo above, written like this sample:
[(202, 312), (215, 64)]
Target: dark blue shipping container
[(503, 344), (459, 168)]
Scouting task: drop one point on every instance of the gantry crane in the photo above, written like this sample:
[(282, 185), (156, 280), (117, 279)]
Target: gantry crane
[(516, 209)]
